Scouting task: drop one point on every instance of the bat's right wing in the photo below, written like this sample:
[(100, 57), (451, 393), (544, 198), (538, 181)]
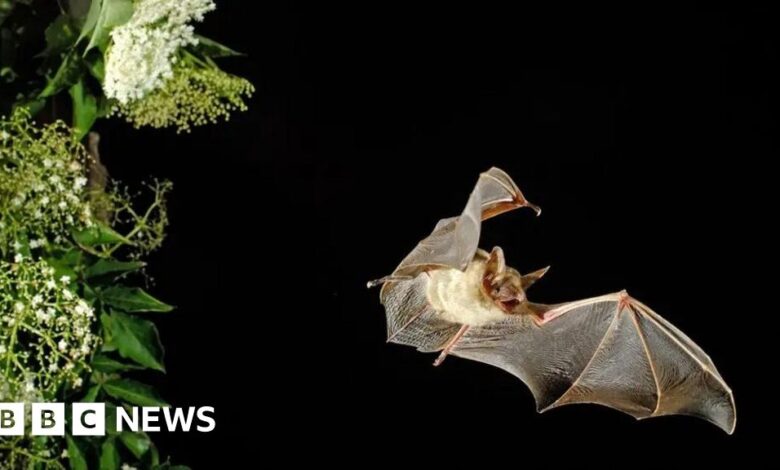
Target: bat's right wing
[(454, 241), (609, 350)]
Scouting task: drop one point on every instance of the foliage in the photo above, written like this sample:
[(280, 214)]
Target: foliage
[(68, 329), (74, 319)]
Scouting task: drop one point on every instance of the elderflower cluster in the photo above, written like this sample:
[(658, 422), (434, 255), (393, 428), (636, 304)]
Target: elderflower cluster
[(142, 51), (193, 96), (46, 332), (43, 194)]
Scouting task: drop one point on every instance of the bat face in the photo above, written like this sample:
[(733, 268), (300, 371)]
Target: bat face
[(448, 296)]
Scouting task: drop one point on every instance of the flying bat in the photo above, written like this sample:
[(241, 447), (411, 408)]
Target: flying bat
[(450, 296)]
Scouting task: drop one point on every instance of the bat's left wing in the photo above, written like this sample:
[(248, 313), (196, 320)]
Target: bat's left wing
[(610, 350), (454, 240)]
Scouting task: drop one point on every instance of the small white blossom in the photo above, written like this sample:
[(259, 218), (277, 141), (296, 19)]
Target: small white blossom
[(18, 258), (65, 280)]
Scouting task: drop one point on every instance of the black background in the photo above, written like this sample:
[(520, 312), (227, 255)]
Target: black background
[(644, 134)]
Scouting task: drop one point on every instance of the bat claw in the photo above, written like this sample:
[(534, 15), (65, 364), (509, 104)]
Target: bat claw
[(535, 208), (391, 278)]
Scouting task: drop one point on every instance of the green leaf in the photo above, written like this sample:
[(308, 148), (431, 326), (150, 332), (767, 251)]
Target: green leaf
[(60, 35), (97, 67), (33, 105), (133, 299), (76, 454), (137, 339), (108, 340), (136, 442), (92, 394), (105, 266), (65, 263), (112, 13), (89, 293), (133, 392), (111, 419), (91, 19), (67, 74), (154, 456), (99, 234), (213, 49), (78, 9), (108, 365), (85, 109), (105, 106), (109, 455)]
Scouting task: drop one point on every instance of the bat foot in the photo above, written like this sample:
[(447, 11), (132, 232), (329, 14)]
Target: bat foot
[(440, 359), (450, 344)]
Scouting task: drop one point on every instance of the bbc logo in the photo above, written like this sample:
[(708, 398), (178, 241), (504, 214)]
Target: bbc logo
[(89, 419), (48, 419)]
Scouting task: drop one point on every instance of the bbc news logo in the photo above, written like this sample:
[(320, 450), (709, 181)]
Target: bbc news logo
[(89, 419)]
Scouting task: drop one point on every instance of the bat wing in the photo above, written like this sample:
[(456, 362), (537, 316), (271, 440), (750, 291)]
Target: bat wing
[(454, 240), (609, 350), (411, 320)]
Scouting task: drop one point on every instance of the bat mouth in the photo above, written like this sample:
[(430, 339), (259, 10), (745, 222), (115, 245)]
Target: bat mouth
[(508, 306)]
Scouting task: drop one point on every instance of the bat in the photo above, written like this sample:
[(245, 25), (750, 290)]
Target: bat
[(450, 296)]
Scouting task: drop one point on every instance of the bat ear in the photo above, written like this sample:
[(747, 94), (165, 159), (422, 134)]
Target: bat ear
[(530, 278)]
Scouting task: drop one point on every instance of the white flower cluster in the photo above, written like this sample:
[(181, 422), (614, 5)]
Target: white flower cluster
[(143, 50), (46, 336), (43, 188)]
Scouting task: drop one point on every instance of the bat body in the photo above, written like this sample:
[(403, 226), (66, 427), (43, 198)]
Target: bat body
[(451, 297)]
